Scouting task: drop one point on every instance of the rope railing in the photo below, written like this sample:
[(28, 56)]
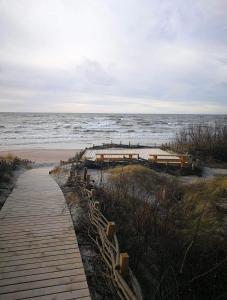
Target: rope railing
[(103, 234)]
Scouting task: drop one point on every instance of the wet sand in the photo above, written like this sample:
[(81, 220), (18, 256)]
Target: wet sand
[(42, 155)]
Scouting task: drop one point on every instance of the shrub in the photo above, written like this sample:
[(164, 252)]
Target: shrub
[(203, 140), (10, 163)]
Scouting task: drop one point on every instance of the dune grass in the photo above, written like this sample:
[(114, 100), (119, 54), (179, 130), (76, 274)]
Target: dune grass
[(8, 164), (205, 199), (7, 157), (175, 234)]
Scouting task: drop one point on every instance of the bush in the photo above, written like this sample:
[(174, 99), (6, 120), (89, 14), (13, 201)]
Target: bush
[(10, 163), (203, 140)]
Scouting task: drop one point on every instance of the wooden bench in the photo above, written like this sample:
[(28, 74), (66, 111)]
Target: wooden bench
[(116, 156), (169, 159)]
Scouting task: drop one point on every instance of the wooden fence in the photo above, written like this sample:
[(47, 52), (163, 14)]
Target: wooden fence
[(105, 238)]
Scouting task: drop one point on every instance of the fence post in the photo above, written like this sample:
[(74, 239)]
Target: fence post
[(88, 177), (73, 169), (110, 230), (96, 204), (92, 193), (163, 193), (85, 174), (124, 261), (182, 161)]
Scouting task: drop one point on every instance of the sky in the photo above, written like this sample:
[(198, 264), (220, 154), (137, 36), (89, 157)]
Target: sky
[(114, 56)]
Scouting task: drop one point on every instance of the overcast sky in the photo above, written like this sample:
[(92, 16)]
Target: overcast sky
[(128, 56)]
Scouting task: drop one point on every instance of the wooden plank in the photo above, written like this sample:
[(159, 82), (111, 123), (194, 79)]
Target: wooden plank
[(25, 208), (41, 255), (63, 296), (35, 233), (57, 210), (44, 203), (55, 235), (76, 262), (79, 289), (27, 261), (38, 207), (60, 239), (33, 212), (34, 220), (116, 153), (29, 226), (16, 252), (18, 229), (36, 245), (11, 288), (24, 214), (36, 274)]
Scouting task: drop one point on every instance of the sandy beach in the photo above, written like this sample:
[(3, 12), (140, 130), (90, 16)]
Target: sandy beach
[(42, 155)]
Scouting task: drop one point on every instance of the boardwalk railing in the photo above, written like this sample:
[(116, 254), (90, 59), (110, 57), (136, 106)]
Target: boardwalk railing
[(104, 236)]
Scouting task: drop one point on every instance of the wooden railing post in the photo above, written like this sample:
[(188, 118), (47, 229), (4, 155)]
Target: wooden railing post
[(93, 193), (88, 178), (72, 170), (182, 161), (96, 204), (124, 262), (163, 192), (155, 158), (110, 230), (85, 174)]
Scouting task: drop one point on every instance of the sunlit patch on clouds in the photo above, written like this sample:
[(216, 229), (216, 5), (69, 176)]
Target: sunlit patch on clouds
[(113, 56)]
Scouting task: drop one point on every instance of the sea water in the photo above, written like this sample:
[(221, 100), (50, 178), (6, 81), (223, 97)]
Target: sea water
[(75, 131)]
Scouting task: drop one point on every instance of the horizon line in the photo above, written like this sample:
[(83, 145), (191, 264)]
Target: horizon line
[(112, 113)]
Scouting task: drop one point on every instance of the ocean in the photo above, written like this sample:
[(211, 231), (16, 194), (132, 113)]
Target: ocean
[(75, 131)]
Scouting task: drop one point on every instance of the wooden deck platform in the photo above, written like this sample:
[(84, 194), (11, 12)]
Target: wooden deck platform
[(154, 155), (39, 254), (113, 153)]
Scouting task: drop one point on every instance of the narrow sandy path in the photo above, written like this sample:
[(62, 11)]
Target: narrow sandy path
[(39, 254)]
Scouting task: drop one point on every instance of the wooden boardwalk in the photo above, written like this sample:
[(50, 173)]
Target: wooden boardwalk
[(39, 254)]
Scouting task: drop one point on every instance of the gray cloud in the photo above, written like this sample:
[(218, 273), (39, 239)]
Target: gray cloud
[(113, 56)]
